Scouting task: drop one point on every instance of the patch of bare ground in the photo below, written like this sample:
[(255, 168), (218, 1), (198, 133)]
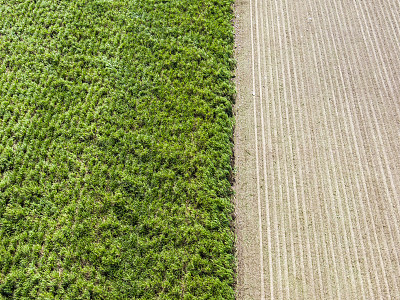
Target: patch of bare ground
[(317, 145)]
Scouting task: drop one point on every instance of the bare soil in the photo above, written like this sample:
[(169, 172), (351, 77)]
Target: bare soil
[(317, 149)]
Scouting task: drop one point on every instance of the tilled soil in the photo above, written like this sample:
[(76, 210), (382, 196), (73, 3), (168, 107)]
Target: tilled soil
[(317, 149)]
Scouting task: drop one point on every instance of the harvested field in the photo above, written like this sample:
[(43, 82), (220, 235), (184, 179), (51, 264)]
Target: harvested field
[(317, 149)]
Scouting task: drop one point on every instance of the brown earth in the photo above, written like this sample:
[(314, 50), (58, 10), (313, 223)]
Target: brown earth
[(317, 149)]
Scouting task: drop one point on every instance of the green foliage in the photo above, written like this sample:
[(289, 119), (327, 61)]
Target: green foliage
[(115, 148)]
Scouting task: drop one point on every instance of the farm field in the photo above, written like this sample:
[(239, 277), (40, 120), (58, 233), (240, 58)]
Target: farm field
[(116, 131), (317, 145)]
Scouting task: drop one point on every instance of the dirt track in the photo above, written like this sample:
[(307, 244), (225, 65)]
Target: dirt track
[(317, 149)]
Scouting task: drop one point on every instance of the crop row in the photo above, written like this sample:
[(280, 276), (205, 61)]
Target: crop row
[(115, 148)]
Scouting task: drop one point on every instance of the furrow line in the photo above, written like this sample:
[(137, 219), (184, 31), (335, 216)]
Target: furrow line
[(326, 141), (291, 267), (316, 189), (330, 208), (288, 39), (305, 131), (324, 181), (267, 213), (352, 195), (262, 287), (280, 212), (280, 163), (380, 256), (374, 50), (272, 138), (335, 161), (379, 149), (352, 122), (391, 92), (391, 95)]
